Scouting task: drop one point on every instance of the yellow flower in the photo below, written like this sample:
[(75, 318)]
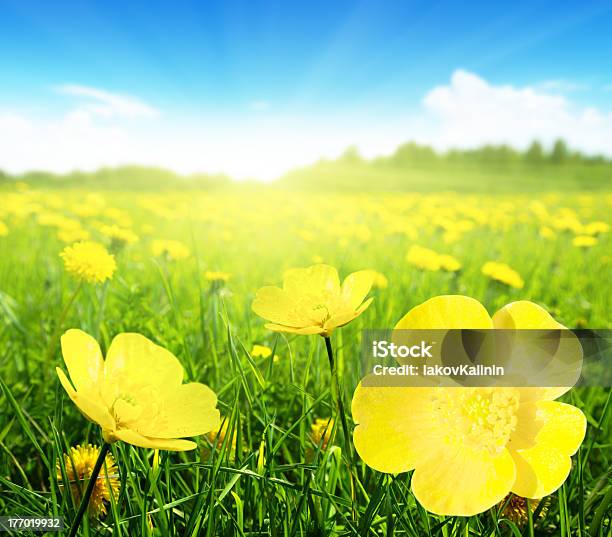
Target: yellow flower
[(427, 259), (379, 280), (584, 241), (515, 507), (89, 261), (469, 447), (321, 431), (3, 229), (261, 351), (216, 276), (595, 228), (312, 301), (175, 250), (79, 464), (448, 262), (136, 394), (503, 273), (73, 235), (217, 436), (423, 258), (306, 235), (119, 235), (547, 233)]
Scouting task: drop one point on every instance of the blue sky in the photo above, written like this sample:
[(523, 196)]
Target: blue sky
[(213, 74)]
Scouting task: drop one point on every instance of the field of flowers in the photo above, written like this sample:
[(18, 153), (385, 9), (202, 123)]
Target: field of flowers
[(191, 271)]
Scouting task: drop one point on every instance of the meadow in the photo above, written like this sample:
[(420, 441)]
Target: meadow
[(188, 266)]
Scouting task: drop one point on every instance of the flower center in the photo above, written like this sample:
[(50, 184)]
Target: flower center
[(482, 418), (126, 409)]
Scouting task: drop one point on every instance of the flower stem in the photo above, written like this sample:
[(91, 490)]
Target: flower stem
[(90, 486), (58, 327), (337, 394)]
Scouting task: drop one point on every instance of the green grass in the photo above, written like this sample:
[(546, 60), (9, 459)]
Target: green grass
[(277, 481)]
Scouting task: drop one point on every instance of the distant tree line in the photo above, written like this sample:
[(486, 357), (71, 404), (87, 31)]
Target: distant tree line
[(406, 157), (121, 178), (411, 153)]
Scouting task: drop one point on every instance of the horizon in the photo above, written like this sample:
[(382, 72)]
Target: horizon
[(352, 152), (256, 90)]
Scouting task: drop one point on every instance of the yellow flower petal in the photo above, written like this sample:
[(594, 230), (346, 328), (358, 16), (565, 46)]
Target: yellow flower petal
[(307, 330), (549, 423), (90, 408), (345, 318), (314, 279), (134, 358), (188, 411), (83, 359), (132, 437), (391, 426), (355, 287), (340, 320), (540, 471), (446, 312), (312, 301), (542, 394), (274, 304), (464, 482), (524, 315)]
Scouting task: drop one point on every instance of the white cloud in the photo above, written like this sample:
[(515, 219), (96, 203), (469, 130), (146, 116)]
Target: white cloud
[(562, 85), (107, 129), (106, 104), (470, 111)]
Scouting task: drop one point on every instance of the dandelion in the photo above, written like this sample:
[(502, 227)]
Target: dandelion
[(503, 273), (321, 432), (379, 280), (174, 250), (584, 241), (547, 233), (119, 236), (596, 228), (261, 351), (79, 464), (516, 508), (59, 221), (469, 447), (217, 437), (423, 258), (449, 263), (216, 276), (70, 235), (427, 259), (312, 301), (3, 229), (89, 261)]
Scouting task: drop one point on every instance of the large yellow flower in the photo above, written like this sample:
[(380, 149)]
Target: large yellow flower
[(136, 394), (469, 447), (312, 301)]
